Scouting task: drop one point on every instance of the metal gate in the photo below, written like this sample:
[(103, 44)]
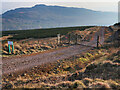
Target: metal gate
[(71, 38)]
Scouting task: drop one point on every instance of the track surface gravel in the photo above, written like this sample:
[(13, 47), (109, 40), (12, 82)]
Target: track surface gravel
[(10, 65)]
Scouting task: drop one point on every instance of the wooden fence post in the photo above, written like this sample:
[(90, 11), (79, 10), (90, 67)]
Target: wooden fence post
[(97, 42), (69, 39), (58, 38), (76, 39)]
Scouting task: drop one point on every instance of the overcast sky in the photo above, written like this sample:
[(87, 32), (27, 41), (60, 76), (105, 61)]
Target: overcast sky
[(98, 5)]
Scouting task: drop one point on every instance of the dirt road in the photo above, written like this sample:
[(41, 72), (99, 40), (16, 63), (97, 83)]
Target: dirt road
[(93, 43), (21, 63), (14, 64)]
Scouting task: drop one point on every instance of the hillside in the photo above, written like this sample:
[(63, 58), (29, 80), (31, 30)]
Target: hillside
[(91, 69), (36, 40), (42, 16), (41, 33)]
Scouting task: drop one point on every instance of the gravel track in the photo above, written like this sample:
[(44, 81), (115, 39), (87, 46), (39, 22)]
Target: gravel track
[(21, 63), (10, 65)]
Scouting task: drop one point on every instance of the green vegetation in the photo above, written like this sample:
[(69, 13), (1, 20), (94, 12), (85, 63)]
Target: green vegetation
[(41, 33)]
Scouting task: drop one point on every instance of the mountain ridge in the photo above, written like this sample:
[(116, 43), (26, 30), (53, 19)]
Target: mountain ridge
[(43, 16)]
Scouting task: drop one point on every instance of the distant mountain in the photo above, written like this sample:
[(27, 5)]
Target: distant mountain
[(42, 16)]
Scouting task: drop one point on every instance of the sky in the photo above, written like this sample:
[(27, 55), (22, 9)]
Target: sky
[(97, 5)]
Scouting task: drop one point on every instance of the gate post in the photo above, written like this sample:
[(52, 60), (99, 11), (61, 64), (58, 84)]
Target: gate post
[(97, 42), (58, 38), (69, 39), (76, 39)]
